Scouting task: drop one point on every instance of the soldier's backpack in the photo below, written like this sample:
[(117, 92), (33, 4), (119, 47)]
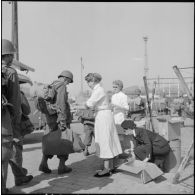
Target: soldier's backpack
[(43, 103)]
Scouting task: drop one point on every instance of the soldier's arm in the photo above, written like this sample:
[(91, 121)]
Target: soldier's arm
[(61, 101), (14, 94)]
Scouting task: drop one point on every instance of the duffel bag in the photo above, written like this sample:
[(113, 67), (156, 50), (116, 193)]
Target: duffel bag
[(61, 143)]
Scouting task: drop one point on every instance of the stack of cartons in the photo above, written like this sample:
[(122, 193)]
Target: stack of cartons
[(170, 129)]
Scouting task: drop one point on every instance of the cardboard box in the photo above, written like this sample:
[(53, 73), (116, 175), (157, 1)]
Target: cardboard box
[(141, 171), (169, 128)]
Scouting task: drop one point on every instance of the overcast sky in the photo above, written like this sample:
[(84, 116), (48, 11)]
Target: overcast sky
[(108, 35)]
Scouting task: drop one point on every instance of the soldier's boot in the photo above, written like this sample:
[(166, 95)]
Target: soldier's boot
[(25, 171), (44, 166), (62, 168), (23, 180)]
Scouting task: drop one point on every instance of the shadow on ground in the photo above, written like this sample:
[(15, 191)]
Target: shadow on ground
[(32, 149), (81, 178)]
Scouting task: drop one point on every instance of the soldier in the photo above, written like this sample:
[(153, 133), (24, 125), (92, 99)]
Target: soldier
[(139, 107), (6, 132), (59, 119), (12, 95), (26, 127)]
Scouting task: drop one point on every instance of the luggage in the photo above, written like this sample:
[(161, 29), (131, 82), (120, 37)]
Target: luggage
[(61, 143)]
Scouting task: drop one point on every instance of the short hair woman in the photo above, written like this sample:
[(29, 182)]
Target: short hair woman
[(106, 138)]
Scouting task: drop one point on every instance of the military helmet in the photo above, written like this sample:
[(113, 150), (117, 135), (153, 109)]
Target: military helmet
[(137, 91), (67, 74), (7, 47)]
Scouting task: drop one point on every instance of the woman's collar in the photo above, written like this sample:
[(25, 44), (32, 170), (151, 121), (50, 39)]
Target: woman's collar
[(96, 86)]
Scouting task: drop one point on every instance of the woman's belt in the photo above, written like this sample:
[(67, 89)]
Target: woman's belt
[(99, 109)]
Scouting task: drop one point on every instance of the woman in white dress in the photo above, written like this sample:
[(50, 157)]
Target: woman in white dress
[(119, 102), (106, 137)]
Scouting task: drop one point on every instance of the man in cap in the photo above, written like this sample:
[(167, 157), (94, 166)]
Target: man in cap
[(147, 145), (12, 96), (138, 111), (59, 119)]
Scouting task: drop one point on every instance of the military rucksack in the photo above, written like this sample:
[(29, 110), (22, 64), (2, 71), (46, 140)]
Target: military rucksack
[(44, 103)]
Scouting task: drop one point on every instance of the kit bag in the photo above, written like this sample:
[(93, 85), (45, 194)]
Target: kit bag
[(43, 103), (61, 143)]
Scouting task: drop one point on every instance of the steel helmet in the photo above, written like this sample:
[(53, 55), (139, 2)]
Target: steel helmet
[(7, 47), (137, 91), (67, 74)]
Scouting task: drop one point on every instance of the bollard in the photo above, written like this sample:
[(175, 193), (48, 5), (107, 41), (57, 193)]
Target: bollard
[(173, 159)]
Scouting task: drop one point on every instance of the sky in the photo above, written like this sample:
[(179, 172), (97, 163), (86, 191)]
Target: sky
[(53, 36)]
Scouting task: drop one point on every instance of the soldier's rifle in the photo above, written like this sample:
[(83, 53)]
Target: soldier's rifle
[(149, 111)]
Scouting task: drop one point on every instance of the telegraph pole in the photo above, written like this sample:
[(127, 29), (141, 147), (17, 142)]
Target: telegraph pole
[(146, 58), (81, 75), (15, 28)]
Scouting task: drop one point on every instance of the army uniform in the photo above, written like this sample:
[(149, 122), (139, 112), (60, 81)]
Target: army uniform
[(11, 118), (13, 97), (6, 134), (59, 119)]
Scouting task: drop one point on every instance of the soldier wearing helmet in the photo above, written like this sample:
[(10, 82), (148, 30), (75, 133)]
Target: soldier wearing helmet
[(10, 117), (61, 119), (66, 74), (138, 111)]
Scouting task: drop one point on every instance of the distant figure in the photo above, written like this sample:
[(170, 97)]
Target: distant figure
[(106, 136), (119, 102), (148, 145), (180, 105), (163, 105), (138, 111)]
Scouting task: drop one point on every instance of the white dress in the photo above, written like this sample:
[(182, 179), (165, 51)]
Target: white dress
[(120, 100), (106, 136)]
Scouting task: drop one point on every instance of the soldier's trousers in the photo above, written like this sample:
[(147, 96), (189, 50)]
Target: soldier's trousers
[(16, 161), (7, 152), (65, 157)]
